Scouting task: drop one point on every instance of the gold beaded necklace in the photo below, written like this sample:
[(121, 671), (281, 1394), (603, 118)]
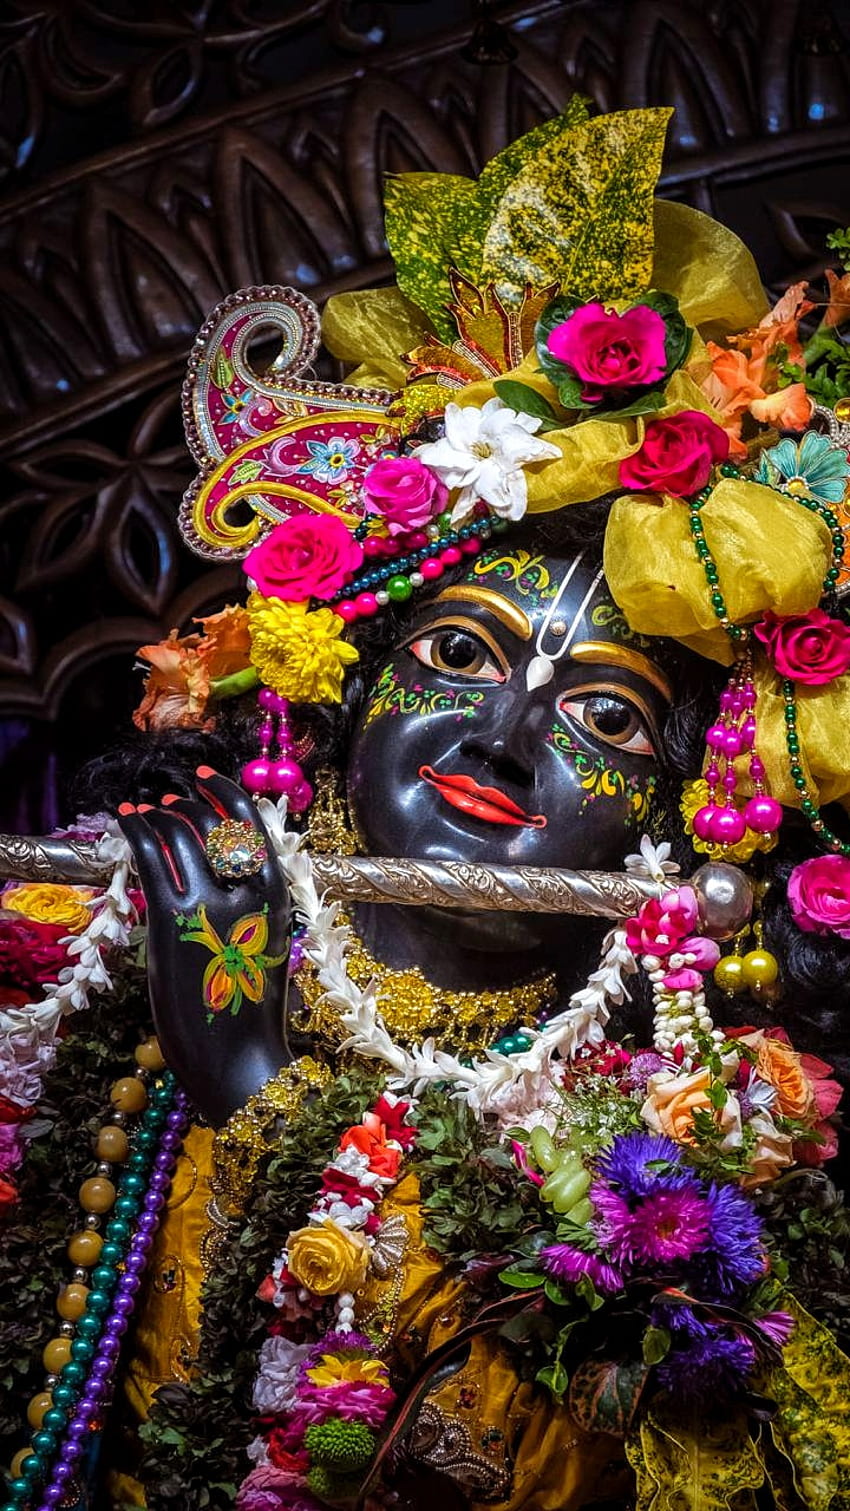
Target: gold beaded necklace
[(413, 1009)]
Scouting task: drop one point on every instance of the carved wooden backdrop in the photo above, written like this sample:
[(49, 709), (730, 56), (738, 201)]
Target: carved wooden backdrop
[(157, 156)]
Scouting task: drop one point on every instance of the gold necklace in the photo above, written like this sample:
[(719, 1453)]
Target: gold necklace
[(414, 1009)]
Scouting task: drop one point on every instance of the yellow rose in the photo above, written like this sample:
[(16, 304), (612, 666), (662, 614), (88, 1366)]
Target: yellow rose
[(328, 1259), (47, 902), (672, 1100)]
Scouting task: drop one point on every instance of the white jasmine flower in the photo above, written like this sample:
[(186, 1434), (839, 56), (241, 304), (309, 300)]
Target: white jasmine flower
[(653, 861), (483, 453)]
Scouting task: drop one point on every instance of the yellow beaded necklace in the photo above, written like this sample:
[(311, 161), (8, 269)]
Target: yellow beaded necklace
[(413, 1009)]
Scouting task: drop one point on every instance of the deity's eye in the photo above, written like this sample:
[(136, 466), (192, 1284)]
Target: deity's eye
[(609, 716), (459, 651)]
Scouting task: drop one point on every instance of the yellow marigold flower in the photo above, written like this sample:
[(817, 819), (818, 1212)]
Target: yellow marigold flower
[(335, 1371), (48, 902), (695, 796), (299, 654)]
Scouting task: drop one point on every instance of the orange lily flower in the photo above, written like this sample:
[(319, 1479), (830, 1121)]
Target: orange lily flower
[(179, 685), (838, 308), (743, 379)]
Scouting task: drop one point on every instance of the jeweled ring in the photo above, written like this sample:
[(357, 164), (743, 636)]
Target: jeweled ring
[(236, 849)]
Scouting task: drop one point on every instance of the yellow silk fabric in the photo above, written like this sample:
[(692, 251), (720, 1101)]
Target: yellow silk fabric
[(770, 552), (823, 722), (374, 328), (709, 269)]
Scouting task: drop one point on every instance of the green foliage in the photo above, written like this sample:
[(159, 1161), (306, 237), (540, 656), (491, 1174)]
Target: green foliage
[(571, 201), (34, 1233), (473, 1203), (839, 241)]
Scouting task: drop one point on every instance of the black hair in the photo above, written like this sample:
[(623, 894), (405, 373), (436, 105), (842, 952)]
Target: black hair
[(814, 969)]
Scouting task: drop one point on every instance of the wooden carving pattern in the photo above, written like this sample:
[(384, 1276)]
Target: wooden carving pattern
[(220, 176)]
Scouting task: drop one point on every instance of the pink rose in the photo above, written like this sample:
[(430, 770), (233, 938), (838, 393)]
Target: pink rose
[(406, 492), (663, 922), (810, 648), (677, 455), (308, 556), (819, 895), (608, 352)]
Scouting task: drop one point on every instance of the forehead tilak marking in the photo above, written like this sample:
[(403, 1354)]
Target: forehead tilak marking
[(541, 668)]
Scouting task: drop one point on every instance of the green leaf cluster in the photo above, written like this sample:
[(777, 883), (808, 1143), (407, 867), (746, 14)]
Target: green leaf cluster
[(569, 203), (472, 1201)]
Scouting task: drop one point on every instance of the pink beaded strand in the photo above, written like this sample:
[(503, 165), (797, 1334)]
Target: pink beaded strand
[(278, 774)]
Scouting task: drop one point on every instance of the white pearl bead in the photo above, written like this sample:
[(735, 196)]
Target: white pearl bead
[(416, 579), (382, 598)]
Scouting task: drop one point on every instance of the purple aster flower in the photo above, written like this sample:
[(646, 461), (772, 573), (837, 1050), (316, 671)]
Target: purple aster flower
[(707, 1363), (733, 1256), (632, 1163), (566, 1263), (777, 1326), (666, 1227)]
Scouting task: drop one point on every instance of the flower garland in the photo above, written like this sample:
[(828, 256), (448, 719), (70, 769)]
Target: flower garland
[(321, 1403), (499, 1083), (54, 916)]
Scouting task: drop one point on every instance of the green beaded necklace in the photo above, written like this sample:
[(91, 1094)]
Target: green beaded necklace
[(739, 634)]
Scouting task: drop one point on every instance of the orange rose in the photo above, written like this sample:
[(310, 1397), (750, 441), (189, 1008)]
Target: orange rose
[(672, 1100), (370, 1138), (780, 1066)]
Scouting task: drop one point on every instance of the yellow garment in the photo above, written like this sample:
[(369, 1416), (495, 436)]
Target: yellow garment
[(823, 720), (770, 554), (497, 1433)]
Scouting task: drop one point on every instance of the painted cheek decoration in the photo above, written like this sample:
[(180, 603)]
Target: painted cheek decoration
[(486, 803)]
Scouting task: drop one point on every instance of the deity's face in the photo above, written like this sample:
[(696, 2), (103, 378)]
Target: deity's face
[(516, 722)]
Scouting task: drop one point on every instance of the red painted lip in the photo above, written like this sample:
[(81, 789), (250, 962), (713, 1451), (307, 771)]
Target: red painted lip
[(486, 803)]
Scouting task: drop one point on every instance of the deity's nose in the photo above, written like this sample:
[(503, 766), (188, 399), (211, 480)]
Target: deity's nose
[(506, 735)]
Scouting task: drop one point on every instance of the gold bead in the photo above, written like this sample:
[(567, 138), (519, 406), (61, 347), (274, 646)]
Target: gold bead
[(112, 1144), (84, 1249), (97, 1194), (729, 975), (71, 1301), (760, 969), (37, 1407), (128, 1094), (56, 1355), (841, 410), (149, 1055)]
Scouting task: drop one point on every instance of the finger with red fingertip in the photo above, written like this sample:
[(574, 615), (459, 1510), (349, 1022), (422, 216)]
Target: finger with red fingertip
[(125, 808)]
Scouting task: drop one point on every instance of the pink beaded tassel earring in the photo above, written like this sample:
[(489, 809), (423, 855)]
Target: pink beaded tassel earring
[(732, 734), (278, 775)]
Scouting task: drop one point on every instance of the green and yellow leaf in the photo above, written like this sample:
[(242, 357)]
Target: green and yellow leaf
[(432, 224), (812, 1422), (582, 213), (688, 1461)]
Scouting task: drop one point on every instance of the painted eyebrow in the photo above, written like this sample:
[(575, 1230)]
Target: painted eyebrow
[(605, 652), (508, 613)]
